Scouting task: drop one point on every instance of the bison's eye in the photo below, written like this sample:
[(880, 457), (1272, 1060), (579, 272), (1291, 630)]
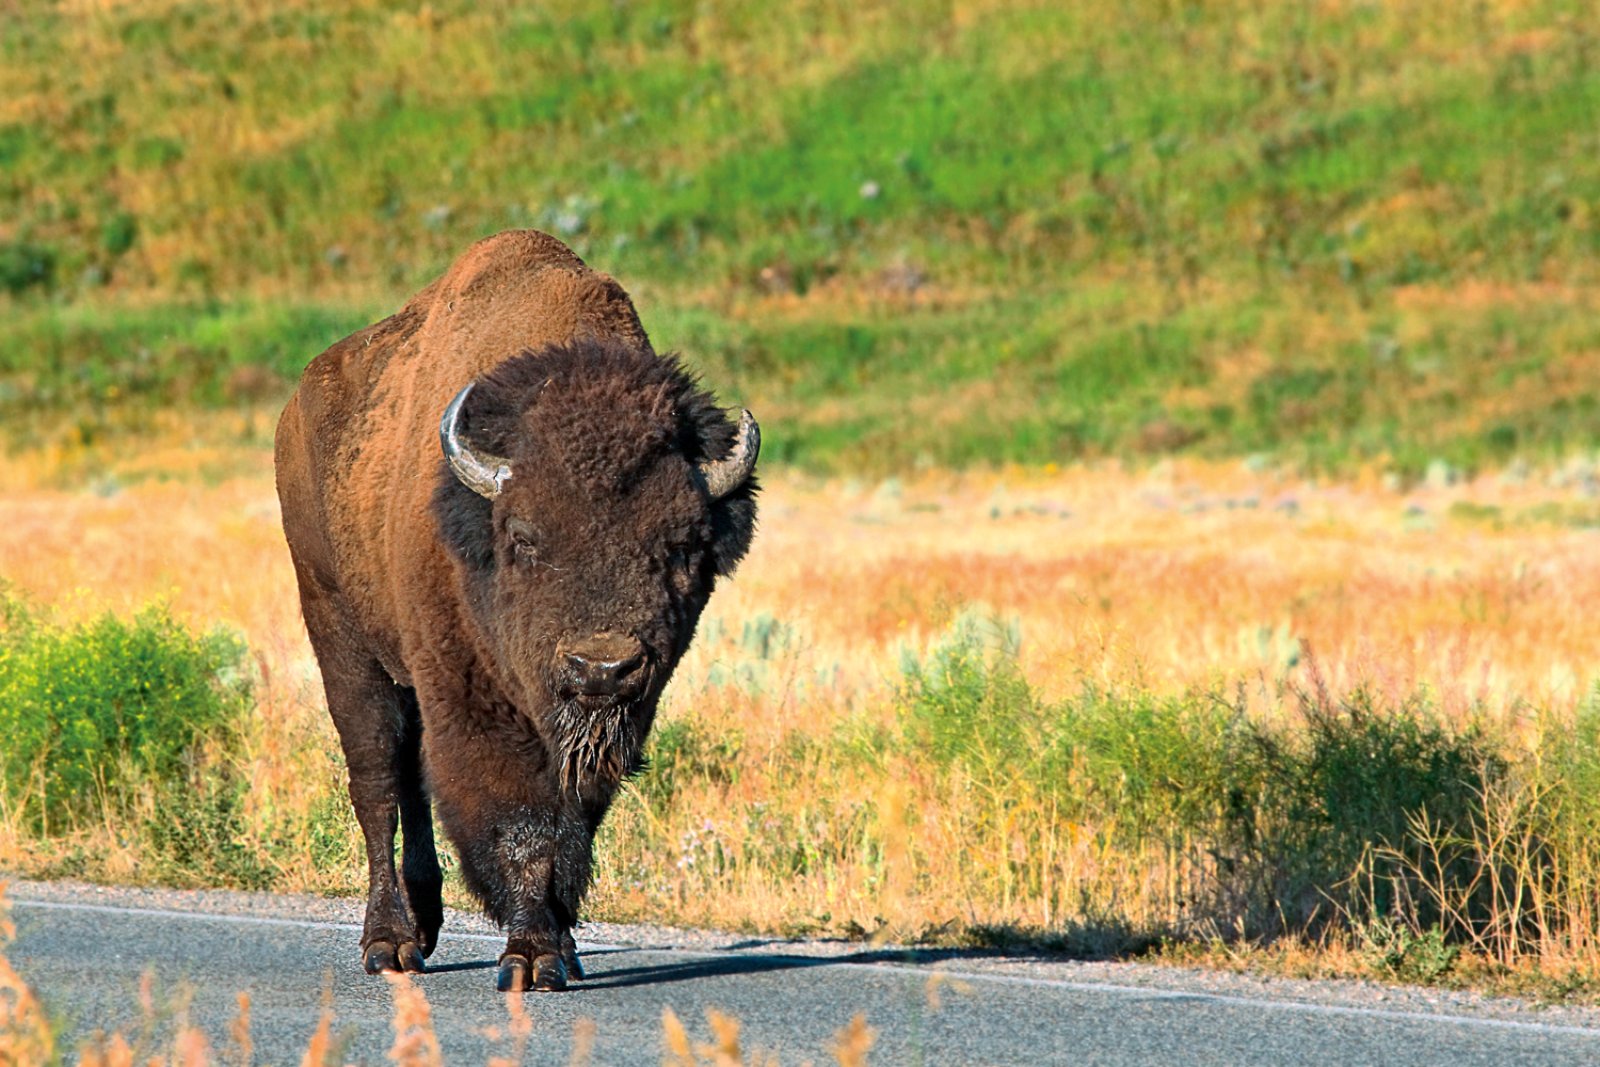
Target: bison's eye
[(524, 541)]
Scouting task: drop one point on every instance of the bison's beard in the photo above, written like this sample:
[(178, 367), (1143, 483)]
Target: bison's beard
[(596, 744)]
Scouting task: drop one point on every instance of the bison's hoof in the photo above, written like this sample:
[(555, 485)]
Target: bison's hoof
[(513, 975), (546, 974), (411, 957), (383, 956)]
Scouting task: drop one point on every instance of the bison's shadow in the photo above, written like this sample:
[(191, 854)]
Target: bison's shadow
[(707, 966), (738, 959), (463, 965), (699, 966)]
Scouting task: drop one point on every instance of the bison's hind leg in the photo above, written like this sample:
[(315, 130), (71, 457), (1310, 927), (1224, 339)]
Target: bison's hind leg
[(419, 862), (569, 956), (419, 873)]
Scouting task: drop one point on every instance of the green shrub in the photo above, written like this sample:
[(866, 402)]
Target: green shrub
[(197, 833), (683, 752), (331, 833), (1396, 950), (1169, 768), (1570, 762), (94, 712), (1284, 822), (24, 265), (1162, 765), (968, 701), (1351, 791), (118, 233)]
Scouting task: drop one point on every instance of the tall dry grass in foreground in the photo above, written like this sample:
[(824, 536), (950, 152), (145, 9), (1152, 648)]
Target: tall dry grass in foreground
[(27, 1038), (1198, 702)]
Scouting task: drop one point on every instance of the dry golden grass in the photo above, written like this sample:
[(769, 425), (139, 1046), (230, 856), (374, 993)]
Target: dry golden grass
[(1181, 578)]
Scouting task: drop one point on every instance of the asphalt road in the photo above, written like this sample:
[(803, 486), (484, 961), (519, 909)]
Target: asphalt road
[(85, 951)]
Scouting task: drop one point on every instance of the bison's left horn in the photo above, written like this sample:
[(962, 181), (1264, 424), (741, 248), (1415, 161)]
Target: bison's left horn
[(723, 476), (484, 474)]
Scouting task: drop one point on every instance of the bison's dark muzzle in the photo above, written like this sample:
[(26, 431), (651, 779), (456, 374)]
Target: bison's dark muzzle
[(605, 665)]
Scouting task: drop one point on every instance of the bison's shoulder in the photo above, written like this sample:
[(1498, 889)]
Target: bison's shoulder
[(342, 376)]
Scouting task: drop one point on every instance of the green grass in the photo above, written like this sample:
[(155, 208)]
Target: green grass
[(1027, 233), (127, 736)]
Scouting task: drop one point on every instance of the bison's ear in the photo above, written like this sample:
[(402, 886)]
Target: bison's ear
[(724, 454), (733, 526)]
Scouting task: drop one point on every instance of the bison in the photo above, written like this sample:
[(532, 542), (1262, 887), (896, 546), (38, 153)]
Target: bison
[(506, 513)]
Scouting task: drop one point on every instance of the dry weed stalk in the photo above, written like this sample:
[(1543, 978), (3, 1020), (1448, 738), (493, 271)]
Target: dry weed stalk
[(679, 1052), (107, 1052), (583, 1035), (239, 1031), (937, 982), (723, 1050), (1499, 883), (25, 1035), (852, 1043), (190, 1048), (519, 1027), (415, 1043), (319, 1050)]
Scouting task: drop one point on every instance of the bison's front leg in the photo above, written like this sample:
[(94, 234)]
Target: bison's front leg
[(582, 811), (511, 865), (499, 803)]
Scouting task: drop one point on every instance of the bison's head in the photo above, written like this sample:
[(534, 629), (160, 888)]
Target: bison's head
[(592, 493)]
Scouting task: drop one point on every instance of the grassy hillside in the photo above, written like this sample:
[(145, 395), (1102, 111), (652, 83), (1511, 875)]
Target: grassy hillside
[(1342, 234)]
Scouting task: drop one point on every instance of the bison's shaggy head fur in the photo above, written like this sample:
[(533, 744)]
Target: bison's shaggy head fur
[(604, 541)]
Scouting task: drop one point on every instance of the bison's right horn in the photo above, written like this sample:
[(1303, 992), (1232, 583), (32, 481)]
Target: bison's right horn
[(484, 474), (723, 476)]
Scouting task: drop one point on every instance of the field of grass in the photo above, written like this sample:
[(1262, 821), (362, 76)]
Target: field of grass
[(1195, 706), (1343, 234)]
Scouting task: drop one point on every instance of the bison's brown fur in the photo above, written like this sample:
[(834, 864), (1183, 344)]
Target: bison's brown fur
[(446, 624)]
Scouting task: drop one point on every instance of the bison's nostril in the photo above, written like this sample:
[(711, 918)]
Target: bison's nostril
[(621, 668), (601, 672)]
